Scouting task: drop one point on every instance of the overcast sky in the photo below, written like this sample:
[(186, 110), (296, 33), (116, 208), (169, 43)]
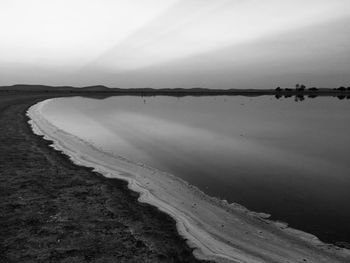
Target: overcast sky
[(175, 43)]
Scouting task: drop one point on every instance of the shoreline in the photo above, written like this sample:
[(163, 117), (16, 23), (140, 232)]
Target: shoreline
[(55, 211), (230, 234)]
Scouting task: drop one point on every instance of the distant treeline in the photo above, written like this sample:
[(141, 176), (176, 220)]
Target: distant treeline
[(303, 88), (300, 92)]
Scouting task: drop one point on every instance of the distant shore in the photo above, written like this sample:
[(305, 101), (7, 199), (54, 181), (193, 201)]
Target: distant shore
[(103, 90)]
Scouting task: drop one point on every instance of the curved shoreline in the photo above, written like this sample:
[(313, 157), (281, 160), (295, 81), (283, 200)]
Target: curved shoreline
[(219, 231), (53, 210)]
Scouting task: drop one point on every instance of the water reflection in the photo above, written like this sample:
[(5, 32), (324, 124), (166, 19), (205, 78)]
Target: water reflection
[(276, 156)]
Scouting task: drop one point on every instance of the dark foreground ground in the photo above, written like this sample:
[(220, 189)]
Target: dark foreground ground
[(54, 211)]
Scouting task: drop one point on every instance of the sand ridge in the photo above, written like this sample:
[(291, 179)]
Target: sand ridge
[(219, 231)]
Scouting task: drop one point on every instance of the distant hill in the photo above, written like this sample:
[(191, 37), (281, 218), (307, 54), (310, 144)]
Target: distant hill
[(98, 88), (25, 87)]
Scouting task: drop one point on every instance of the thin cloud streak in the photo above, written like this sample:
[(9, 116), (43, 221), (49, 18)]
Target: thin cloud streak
[(191, 28)]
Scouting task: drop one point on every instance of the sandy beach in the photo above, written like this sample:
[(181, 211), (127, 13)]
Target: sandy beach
[(54, 211), (216, 230)]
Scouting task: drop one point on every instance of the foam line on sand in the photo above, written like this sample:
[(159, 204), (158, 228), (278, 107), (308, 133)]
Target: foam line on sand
[(216, 230)]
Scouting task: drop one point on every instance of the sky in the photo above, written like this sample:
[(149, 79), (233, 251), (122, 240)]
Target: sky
[(175, 43)]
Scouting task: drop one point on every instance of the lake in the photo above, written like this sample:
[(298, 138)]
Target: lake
[(277, 156)]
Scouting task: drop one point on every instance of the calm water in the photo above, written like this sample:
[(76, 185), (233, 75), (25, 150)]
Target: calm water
[(281, 157)]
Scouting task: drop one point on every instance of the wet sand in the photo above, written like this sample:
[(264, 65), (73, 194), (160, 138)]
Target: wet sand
[(54, 211), (219, 231)]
